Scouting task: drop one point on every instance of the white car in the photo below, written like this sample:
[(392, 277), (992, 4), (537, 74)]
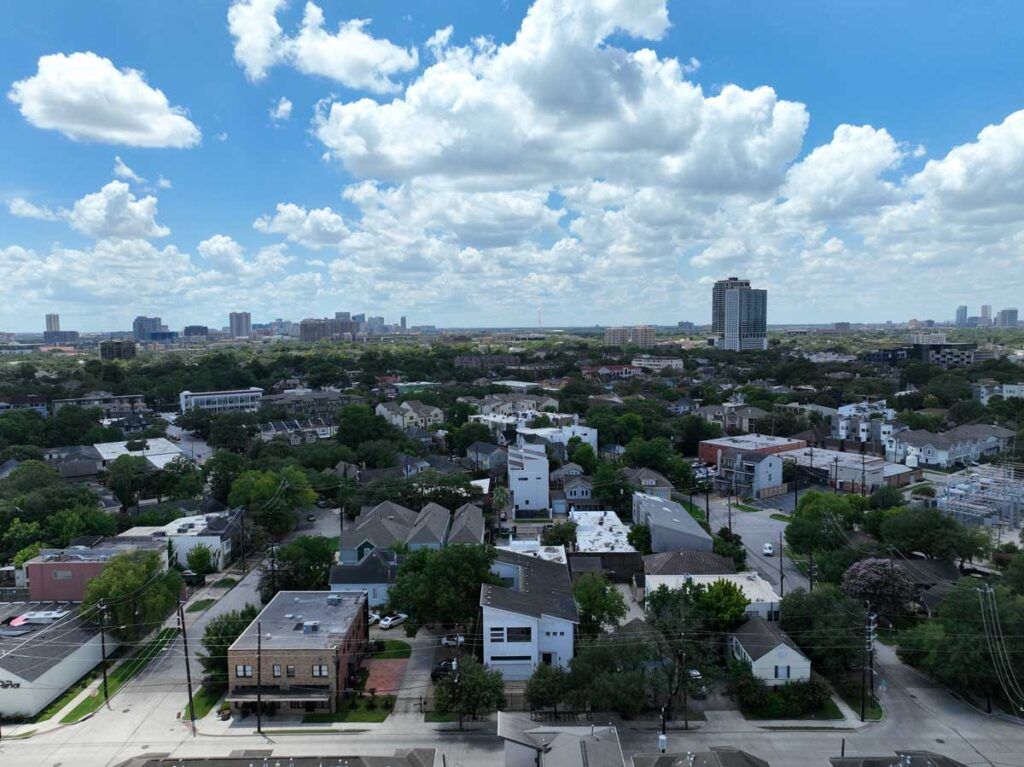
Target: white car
[(374, 619), (389, 621), (768, 550), (453, 640)]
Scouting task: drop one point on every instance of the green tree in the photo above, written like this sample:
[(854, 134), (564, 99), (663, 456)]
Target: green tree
[(828, 626), (301, 565), (179, 478), (220, 633), (221, 470), (585, 456), (722, 604), (548, 686), (67, 524), (29, 552), (1015, 574), (271, 498), (932, 533), (442, 586), (358, 424), (612, 490), (601, 605), (471, 691), (136, 591), (126, 476), (461, 437), (19, 535), (200, 559), (560, 534), (886, 497), (639, 538), (232, 431)]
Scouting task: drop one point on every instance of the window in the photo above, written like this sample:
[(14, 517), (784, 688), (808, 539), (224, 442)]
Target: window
[(289, 671), (319, 669), (515, 634), (243, 671), (277, 669), (497, 634), (507, 658), (782, 672), (60, 575)]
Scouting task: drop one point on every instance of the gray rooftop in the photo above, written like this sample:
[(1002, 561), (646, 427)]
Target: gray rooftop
[(688, 563), (544, 588), (717, 757), (759, 637), (667, 514), (563, 746), (467, 525), (282, 621), (29, 650)]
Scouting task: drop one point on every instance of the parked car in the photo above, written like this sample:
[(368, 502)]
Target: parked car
[(453, 640), (311, 517), (697, 687), (374, 618), (321, 504), (443, 669), (390, 621), (768, 550), (505, 530)]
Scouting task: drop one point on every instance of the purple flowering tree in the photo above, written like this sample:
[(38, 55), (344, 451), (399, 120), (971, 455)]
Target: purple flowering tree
[(882, 582)]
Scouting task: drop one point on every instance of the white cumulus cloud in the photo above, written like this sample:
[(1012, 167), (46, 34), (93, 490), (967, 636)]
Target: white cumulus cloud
[(281, 111), (114, 212), (87, 98), (315, 229), (22, 208), (121, 170)]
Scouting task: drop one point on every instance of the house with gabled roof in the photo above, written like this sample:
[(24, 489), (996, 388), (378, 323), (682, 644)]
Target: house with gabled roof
[(773, 657)]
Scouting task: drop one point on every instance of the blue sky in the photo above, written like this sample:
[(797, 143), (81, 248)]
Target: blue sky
[(472, 179)]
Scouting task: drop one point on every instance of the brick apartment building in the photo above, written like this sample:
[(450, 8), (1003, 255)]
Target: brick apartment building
[(61, 575), (302, 652)]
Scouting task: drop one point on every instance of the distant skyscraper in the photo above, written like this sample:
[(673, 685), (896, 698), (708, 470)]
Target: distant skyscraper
[(961, 316), (52, 322), (117, 350), (143, 328), (342, 315), (375, 325), (240, 324), (718, 302), (402, 323), (616, 336), (986, 315), (744, 315), (1007, 318)]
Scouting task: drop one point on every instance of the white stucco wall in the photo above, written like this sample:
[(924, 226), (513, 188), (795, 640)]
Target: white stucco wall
[(559, 643)]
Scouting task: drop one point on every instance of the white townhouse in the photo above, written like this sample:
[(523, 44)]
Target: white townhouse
[(772, 656), (410, 414), (531, 618), (528, 471)]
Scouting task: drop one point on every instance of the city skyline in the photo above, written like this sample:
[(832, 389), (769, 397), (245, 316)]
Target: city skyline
[(268, 174)]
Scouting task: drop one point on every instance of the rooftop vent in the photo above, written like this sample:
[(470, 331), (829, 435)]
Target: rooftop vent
[(310, 627), (334, 599)]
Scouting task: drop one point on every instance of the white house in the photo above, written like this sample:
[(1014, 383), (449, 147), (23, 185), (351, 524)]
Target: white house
[(772, 656), (528, 478), (215, 531), (762, 601), (985, 391), (231, 400), (562, 434), (529, 620), (410, 414), (961, 445)]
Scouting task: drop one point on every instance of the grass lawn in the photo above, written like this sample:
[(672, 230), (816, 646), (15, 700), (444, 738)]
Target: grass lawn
[(121, 674), (226, 582), (204, 700), (199, 605), (744, 507), (872, 711), (782, 518), (829, 712), (357, 711), (394, 649), (695, 511)]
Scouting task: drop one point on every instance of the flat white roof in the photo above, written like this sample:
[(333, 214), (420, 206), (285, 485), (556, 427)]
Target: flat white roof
[(751, 441), (533, 548), (158, 450), (755, 588), (823, 458), (600, 531)]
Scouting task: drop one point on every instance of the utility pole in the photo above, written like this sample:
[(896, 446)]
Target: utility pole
[(686, 689), (188, 668), (241, 537), (810, 571), (837, 475), (868, 664), (259, 678), (782, 575), (863, 471), (872, 629), (103, 648), (707, 504)]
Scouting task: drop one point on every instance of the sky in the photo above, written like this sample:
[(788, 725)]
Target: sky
[(475, 163)]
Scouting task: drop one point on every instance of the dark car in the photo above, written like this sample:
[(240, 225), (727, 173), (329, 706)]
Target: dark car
[(442, 669), (321, 504)]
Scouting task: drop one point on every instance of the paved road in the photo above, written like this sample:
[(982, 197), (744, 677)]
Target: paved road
[(193, 447)]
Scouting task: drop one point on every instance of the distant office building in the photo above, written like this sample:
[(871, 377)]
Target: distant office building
[(685, 326), (313, 329), (245, 400), (718, 302), (240, 324), (986, 312), (743, 312), (343, 316), (359, 318), (961, 316), (1007, 318), (196, 331), (60, 336), (164, 336), (52, 323), (641, 335), (113, 349), (402, 322), (143, 328), (375, 326)]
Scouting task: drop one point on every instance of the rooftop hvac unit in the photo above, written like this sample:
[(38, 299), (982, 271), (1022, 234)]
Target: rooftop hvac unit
[(310, 627), (334, 599)]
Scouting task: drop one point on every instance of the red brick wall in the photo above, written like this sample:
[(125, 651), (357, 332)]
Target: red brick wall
[(43, 587)]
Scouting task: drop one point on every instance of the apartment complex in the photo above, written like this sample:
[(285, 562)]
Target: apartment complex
[(111, 405), (240, 324), (301, 652), (528, 479), (640, 335), (144, 328), (117, 349), (739, 315)]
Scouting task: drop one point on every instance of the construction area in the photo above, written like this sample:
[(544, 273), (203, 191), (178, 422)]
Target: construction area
[(991, 495)]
